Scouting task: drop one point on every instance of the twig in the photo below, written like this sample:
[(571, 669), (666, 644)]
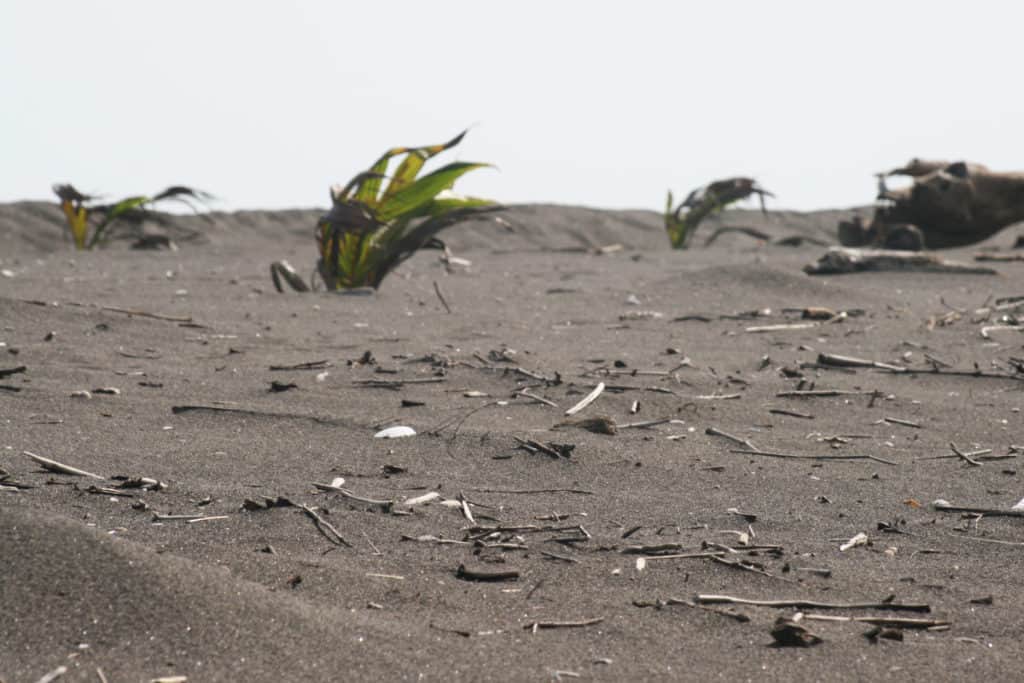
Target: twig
[(479, 575), (739, 564), (851, 362), (742, 618), (387, 504), (839, 456), (980, 454), (397, 383), (323, 526), (535, 397), (177, 410), (587, 400), (538, 446), (535, 626), (960, 454), (957, 373), (645, 424), (12, 371), (714, 431), (790, 413), (895, 622), (816, 393), (563, 558), (898, 421), (530, 491), (60, 468), (437, 290), (943, 506), (309, 365), (780, 328), (811, 604)]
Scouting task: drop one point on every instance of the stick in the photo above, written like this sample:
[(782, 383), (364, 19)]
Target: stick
[(742, 618), (437, 290), (981, 454), (60, 468), (397, 383), (563, 558), (322, 525), (529, 491), (896, 622), (811, 604), (562, 624), (644, 425), (814, 393), (309, 365), (538, 446), (587, 400), (780, 328), (539, 399), (943, 506), (800, 456), (851, 362), (790, 413), (958, 373), (898, 421), (12, 371), (963, 455), (479, 575), (713, 431), (351, 496)]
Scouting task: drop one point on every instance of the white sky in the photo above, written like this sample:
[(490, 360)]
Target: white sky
[(605, 104)]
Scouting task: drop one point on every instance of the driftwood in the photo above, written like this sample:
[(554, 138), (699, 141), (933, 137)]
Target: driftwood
[(840, 260), (948, 205)]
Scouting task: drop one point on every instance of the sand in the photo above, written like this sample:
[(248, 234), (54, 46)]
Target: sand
[(92, 579)]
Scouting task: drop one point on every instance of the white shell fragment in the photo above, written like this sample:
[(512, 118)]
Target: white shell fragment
[(587, 400), (338, 482), (395, 432), (859, 539)]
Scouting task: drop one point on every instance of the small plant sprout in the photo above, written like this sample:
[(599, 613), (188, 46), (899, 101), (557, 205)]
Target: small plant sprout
[(378, 220), (682, 221), (90, 222)]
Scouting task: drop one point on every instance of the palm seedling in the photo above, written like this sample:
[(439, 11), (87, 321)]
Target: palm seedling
[(90, 223), (374, 225), (682, 221)]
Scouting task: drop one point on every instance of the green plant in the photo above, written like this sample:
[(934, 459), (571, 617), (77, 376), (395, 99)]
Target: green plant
[(90, 223), (372, 227), (681, 223)]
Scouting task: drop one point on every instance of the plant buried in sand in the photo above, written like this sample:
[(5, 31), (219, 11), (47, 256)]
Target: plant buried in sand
[(372, 226), (681, 223), (90, 223)]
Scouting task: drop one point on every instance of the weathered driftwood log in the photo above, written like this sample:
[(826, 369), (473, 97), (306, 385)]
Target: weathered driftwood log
[(948, 205)]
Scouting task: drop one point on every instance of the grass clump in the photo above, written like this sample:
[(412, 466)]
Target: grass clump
[(682, 221), (90, 222), (378, 220)]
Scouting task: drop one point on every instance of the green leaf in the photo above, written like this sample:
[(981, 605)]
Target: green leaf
[(444, 204), (370, 187), (413, 197), (413, 163)]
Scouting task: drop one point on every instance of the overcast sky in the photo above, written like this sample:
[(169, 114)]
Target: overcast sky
[(606, 104)]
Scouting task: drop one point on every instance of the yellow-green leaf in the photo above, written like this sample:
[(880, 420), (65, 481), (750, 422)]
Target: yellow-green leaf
[(413, 197)]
